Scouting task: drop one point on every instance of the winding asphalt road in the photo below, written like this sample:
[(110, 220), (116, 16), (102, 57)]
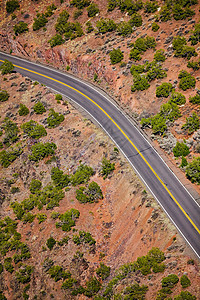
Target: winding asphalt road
[(178, 204)]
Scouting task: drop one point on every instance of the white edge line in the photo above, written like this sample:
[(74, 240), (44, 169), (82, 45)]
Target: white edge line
[(132, 167), (97, 89)]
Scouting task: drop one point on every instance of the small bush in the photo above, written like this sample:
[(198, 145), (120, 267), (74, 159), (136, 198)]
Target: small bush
[(92, 10), (124, 29), (116, 56), (67, 220), (184, 162), (20, 28), (80, 3), (41, 218), (192, 123), (195, 37), (24, 274), (62, 24), (51, 243), (39, 108), (92, 287), (107, 167), (140, 83), (103, 271), (7, 157), (185, 281), (39, 22), (33, 129), (8, 264), (185, 296), (12, 5), (181, 149), (58, 97), (89, 27), (165, 13), (6, 67), (155, 27), (170, 111), (193, 170), (170, 281), (14, 190), (177, 98), (92, 194), (136, 20), (35, 186), (164, 90), (160, 55), (55, 215), (54, 119), (195, 99), (105, 25), (59, 179), (187, 82), (158, 124), (11, 132), (84, 237), (41, 150), (82, 175), (77, 14), (194, 65), (150, 7), (23, 110), (49, 10), (4, 96), (56, 40)]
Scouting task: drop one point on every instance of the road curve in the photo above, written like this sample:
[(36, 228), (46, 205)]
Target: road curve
[(175, 200)]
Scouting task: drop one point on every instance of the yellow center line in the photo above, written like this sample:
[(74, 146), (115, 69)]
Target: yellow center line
[(144, 159)]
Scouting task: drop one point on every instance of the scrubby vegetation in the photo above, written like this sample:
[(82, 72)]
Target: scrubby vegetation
[(12, 5), (39, 22), (140, 46), (185, 281), (4, 96), (82, 175), (20, 28), (164, 90), (92, 9), (106, 168), (33, 129), (103, 271), (155, 27), (54, 119), (105, 25), (116, 56), (23, 110), (59, 179), (56, 40), (6, 67), (51, 243), (187, 81), (39, 108), (170, 281), (41, 150), (67, 220), (10, 132), (7, 157), (35, 186), (84, 237), (181, 149), (195, 99), (192, 123), (193, 170), (91, 194)]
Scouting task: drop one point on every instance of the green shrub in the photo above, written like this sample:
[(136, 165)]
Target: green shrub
[(24, 274), (1, 269), (170, 281), (130, 7), (82, 175), (137, 69), (195, 37), (155, 71), (164, 90), (194, 65), (58, 97), (106, 167), (170, 111), (103, 271), (195, 99), (28, 218), (185, 281), (124, 29), (192, 123), (184, 162), (150, 7), (163, 293), (7, 157), (15, 190), (180, 13), (59, 179), (135, 54), (55, 215), (92, 10), (80, 3), (6, 67), (62, 24), (181, 149), (8, 264), (58, 273), (39, 108), (89, 27), (49, 10), (177, 98), (39, 22), (140, 46), (41, 218), (64, 241), (33, 129), (4, 96), (158, 124), (155, 27), (42, 150), (92, 287), (105, 25), (2, 296), (35, 186), (116, 56), (73, 30), (84, 237), (54, 119), (77, 13), (140, 83), (185, 296), (165, 13), (160, 55), (20, 28), (136, 20), (23, 110), (112, 4), (193, 170), (178, 43), (68, 284), (12, 5), (11, 132), (67, 220), (135, 291), (188, 52), (51, 243), (56, 40), (92, 194)]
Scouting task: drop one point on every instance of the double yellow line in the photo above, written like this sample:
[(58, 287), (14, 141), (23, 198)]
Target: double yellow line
[(144, 159)]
